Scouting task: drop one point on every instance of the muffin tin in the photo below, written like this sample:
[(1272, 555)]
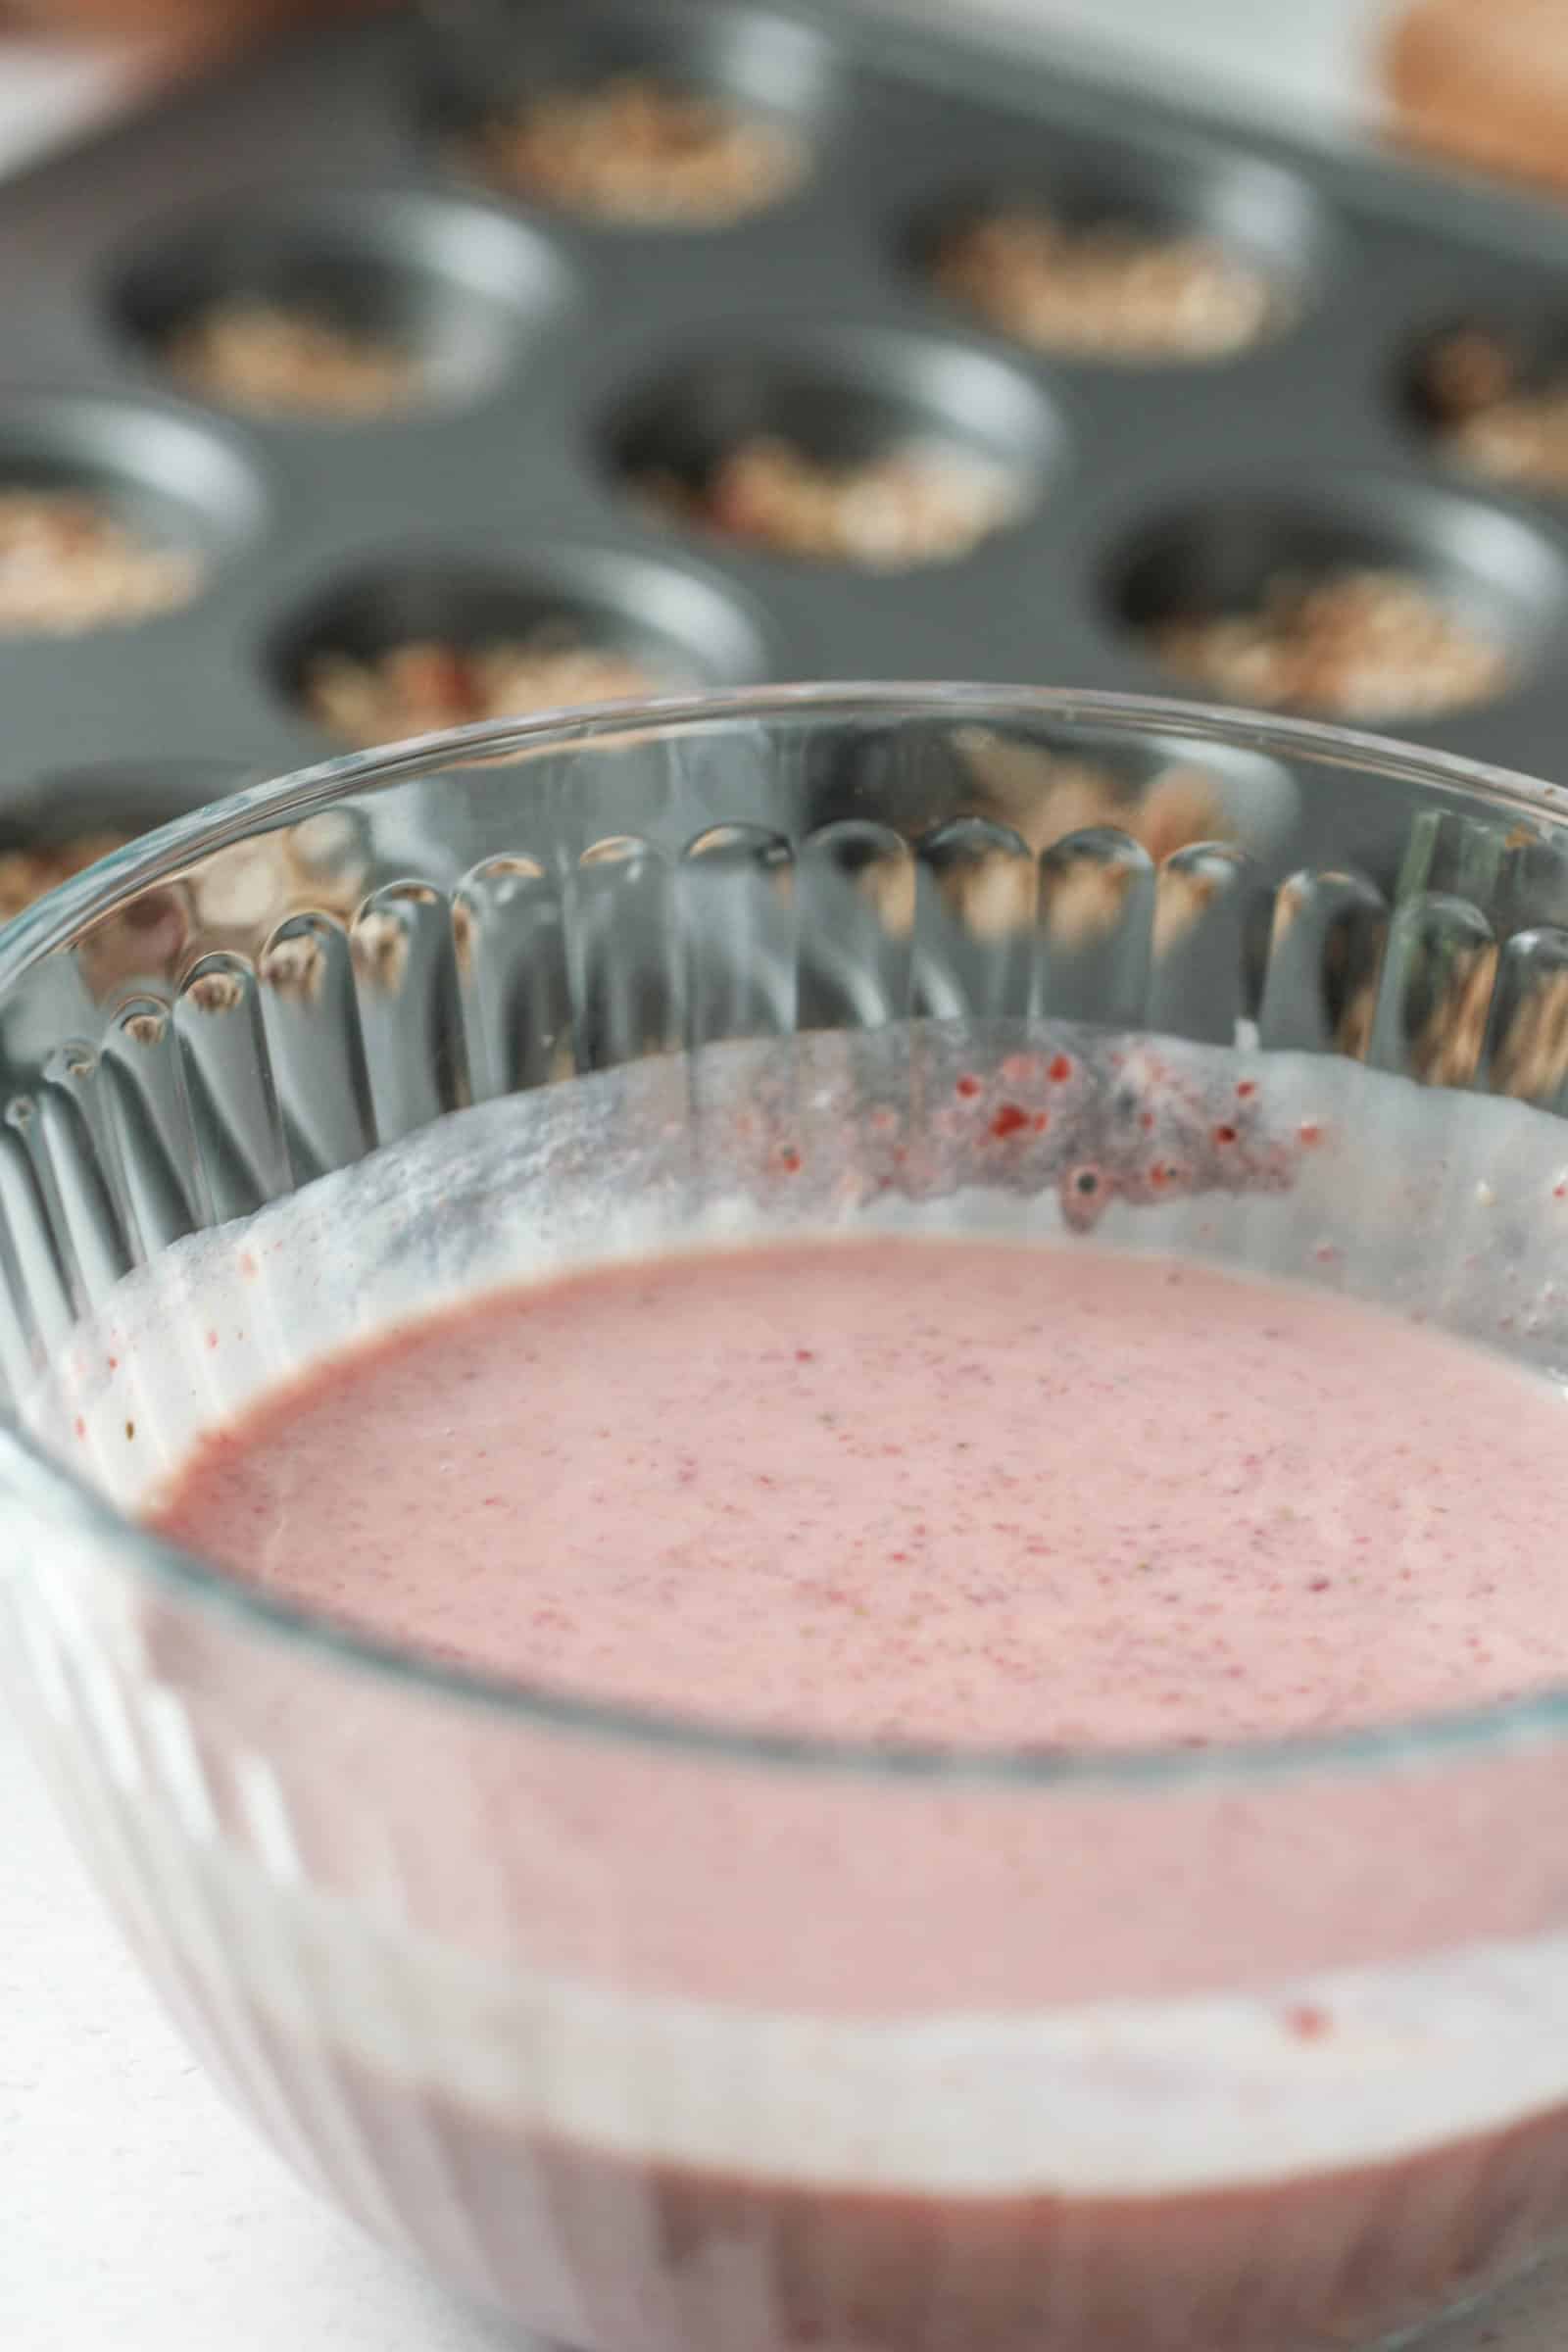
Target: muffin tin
[(564, 356)]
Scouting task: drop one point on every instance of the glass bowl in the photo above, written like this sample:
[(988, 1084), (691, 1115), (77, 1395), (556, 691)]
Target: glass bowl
[(1249, 2049)]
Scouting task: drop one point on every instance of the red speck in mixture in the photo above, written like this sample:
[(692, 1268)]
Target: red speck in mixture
[(1041, 1121), (789, 1160), (1308, 1134), (1159, 1174), (805, 1355), (212, 1338), (1061, 1069), (1145, 1121), (1306, 2022), (968, 1087), (1224, 1135), (1007, 1121), (1246, 1087), (247, 1266), (81, 1427)]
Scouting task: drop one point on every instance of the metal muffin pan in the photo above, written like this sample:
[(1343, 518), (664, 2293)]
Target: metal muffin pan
[(564, 353)]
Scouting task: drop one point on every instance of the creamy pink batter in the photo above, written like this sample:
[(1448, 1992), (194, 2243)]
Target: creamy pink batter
[(926, 1490), (935, 1491)]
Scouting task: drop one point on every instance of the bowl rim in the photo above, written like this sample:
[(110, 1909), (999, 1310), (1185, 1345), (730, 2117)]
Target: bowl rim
[(33, 1482)]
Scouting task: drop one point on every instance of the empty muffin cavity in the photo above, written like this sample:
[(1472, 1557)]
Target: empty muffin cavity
[(860, 450), (408, 651), (326, 309), (1495, 401), (1131, 258), (675, 119), (1397, 609)]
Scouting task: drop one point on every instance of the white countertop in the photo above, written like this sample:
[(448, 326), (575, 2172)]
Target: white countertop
[(136, 2213)]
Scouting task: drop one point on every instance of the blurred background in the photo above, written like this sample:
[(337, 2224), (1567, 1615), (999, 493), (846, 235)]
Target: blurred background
[(1350, 63), (372, 368)]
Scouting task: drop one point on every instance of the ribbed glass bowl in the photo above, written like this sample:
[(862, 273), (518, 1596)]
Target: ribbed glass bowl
[(1272, 2050)]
